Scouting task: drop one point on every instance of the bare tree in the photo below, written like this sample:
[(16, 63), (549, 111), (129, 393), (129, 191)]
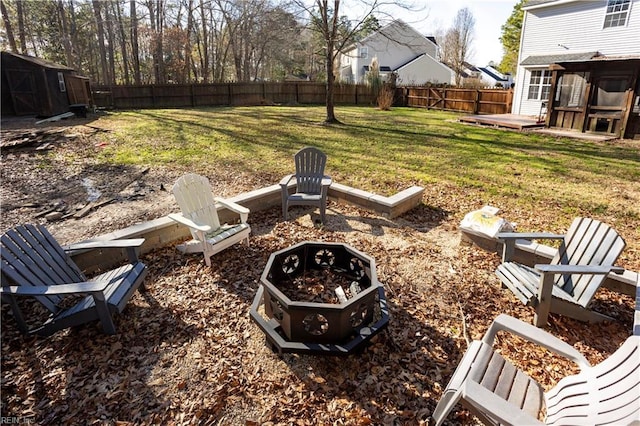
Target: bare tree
[(327, 21), (135, 55), (8, 27), (21, 31), (457, 42), (101, 41)]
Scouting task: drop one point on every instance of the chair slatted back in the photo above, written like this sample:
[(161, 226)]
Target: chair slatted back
[(587, 242), (31, 256), (310, 163), (607, 393), (194, 196)]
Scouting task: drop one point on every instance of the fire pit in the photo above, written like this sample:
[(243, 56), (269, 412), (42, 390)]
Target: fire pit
[(320, 298)]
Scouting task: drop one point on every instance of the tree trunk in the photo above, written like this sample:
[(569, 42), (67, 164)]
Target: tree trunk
[(134, 42), (205, 44), (187, 48), (64, 31), (8, 28), (123, 43), (21, 31), (108, 16), (101, 48)]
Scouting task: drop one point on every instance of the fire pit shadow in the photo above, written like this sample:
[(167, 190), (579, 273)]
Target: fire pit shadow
[(319, 297)]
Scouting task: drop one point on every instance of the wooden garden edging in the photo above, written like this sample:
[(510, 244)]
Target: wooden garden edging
[(163, 231)]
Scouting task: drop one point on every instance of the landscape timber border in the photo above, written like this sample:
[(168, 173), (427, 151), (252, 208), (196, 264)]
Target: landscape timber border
[(163, 231)]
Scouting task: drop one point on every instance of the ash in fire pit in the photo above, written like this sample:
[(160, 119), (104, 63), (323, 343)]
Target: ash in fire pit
[(320, 297)]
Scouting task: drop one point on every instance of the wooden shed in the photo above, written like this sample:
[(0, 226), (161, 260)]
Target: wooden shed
[(33, 86), (601, 95)]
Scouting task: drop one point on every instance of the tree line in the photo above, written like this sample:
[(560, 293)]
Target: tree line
[(165, 41)]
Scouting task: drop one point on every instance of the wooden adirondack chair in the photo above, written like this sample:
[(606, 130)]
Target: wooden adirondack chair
[(566, 286), (35, 265), (497, 392), (312, 185), (200, 213)]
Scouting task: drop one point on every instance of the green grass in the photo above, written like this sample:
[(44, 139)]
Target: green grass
[(385, 151)]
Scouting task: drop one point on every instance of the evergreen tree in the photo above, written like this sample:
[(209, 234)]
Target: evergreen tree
[(510, 39)]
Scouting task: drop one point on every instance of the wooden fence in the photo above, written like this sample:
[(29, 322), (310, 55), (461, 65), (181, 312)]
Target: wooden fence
[(225, 94), (474, 101)]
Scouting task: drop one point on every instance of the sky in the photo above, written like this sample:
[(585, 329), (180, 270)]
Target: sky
[(489, 16)]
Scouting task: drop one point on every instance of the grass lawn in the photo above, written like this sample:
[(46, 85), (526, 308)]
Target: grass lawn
[(539, 181)]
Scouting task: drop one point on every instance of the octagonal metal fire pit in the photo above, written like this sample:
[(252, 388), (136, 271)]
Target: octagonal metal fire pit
[(320, 298)]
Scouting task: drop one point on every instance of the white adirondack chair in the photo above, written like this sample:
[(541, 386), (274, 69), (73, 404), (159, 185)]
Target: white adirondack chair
[(497, 392), (200, 213), (567, 285)]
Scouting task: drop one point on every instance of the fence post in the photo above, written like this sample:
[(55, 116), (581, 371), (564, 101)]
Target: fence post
[(476, 103), (193, 100), (153, 96), (509, 101), (229, 94)]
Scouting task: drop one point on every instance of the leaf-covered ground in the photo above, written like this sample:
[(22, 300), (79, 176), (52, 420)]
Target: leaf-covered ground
[(188, 353)]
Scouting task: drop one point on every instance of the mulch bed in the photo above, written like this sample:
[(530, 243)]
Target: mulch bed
[(187, 352)]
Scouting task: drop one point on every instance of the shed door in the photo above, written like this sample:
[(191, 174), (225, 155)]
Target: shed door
[(22, 86)]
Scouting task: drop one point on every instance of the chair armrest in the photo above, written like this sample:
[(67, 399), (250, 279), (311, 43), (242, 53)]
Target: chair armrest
[(234, 207), (578, 269), (535, 335), (496, 407), (59, 289), (326, 180), (285, 180), (528, 236), (99, 244), (129, 244), (188, 222), (509, 239)]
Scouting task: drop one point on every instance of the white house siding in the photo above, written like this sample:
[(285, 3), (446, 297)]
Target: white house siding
[(571, 27), (521, 104), (425, 70), (394, 45)]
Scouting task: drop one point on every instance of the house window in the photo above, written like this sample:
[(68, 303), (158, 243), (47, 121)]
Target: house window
[(364, 52), (617, 13), (571, 89), (63, 87), (539, 85)]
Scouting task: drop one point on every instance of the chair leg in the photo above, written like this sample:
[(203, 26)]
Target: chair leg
[(323, 210), (448, 400), (285, 201)]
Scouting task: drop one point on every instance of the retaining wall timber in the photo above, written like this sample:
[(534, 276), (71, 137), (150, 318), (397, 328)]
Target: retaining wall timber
[(163, 231)]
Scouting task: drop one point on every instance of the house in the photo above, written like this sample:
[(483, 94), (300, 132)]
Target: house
[(494, 78), (579, 65), (33, 86), (400, 49)]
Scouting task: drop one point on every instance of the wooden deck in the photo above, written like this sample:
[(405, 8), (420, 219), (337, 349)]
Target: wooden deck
[(511, 121)]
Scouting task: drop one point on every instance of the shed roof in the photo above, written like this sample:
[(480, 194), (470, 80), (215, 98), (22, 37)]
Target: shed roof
[(39, 61)]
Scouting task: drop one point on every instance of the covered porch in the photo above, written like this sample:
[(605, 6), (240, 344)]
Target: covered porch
[(599, 96)]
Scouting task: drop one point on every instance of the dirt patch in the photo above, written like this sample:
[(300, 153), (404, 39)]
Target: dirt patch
[(187, 352)]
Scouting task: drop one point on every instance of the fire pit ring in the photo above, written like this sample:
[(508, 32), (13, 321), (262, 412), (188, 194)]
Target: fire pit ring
[(320, 297)]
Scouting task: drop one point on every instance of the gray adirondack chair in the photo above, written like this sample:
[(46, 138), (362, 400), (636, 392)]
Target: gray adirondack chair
[(567, 285), (35, 265), (497, 392), (200, 213), (312, 185)]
